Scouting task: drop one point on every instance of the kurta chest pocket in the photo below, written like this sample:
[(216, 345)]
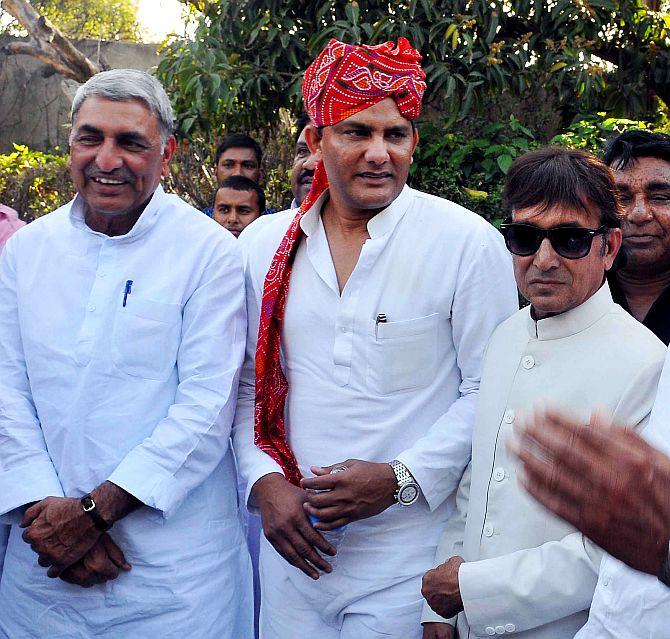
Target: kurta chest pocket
[(403, 355), (146, 338)]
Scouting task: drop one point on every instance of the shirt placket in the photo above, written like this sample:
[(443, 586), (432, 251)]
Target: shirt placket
[(99, 303), (347, 330)]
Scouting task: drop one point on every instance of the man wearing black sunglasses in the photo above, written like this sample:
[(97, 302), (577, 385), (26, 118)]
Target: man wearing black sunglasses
[(510, 566)]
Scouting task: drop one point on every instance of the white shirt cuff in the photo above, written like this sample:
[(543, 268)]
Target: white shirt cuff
[(33, 482)]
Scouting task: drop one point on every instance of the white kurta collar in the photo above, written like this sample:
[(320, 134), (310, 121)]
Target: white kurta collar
[(381, 224), (146, 220), (572, 321)]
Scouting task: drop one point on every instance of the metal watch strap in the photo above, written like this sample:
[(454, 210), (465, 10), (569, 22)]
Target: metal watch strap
[(402, 475), (664, 575), (91, 509)]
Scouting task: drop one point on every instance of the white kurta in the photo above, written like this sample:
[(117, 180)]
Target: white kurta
[(527, 572), (628, 604), (405, 389), (141, 394)]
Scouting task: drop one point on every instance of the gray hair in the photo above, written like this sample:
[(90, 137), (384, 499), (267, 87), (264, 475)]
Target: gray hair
[(128, 84)]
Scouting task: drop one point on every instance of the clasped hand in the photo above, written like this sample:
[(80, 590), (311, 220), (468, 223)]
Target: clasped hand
[(363, 490), (67, 542)]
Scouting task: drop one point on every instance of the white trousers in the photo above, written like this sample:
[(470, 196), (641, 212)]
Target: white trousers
[(293, 608)]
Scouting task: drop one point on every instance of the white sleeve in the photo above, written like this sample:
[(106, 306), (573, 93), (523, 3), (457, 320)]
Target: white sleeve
[(187, 445), (27, 473), (252, 462), (451, 542), (485, 296), (530, 587)]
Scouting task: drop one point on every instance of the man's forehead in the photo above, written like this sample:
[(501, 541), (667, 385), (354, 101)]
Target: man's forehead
[(239, 152), (643, 170), (227, 195), (116, 118), (385, 114), (546, 216)]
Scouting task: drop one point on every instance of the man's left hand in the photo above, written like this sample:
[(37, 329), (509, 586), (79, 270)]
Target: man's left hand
[(59, 531), (363, 490), (441, 590)]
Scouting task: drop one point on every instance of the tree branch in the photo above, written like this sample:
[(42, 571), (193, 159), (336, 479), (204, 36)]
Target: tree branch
[(34, 50), (52, 46)]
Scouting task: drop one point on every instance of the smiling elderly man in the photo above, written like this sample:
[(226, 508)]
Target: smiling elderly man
[(515, 568), (366, 335), (120, 342)]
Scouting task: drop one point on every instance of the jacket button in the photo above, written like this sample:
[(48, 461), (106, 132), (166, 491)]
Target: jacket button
[(528, 362), (500, 630), (510, 627), (490, 630), (498, 474), (488, 530), (508, 416)]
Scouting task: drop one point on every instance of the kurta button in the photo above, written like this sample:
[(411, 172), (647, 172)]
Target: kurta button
[(510, 627), (508, 416), (102, 274), (490, 630), (91, 308), (528, 362), (498, 474), (344, 329), (500, 630), (488, 530)]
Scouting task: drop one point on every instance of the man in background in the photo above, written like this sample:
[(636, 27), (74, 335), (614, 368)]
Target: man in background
[(238, 202), (9, 224), (237, 155), (641, 164), (304, 163)]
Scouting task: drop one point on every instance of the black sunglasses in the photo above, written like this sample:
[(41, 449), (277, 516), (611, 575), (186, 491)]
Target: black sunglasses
[(570, 242)]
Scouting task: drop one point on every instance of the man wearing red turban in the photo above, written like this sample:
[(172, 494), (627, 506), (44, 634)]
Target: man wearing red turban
[(366, 332)]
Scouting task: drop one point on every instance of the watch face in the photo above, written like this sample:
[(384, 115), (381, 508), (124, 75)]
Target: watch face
[(408, 494)]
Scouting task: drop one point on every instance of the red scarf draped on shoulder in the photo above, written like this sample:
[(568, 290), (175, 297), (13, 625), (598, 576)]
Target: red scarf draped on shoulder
[(343, 80)]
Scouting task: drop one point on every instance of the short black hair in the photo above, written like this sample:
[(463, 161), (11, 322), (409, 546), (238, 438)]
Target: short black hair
[(241, 183), (300, 123), (239, 141), (557, 176), (624, 149)]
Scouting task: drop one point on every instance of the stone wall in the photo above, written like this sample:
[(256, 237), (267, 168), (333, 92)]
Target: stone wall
[(35, 102)]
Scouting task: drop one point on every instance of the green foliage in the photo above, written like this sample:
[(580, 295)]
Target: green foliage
[(95, 19), (591, 132), (33, 182), (247, 57), (470, 170)]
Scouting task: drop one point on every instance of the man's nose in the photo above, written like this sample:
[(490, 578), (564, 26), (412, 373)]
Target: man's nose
[(376, 151), (638, 212), (108, 157), (237, 169), (310, 163), (545, 257)]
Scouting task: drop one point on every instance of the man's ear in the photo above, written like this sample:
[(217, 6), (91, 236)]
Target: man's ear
[(415, 135), (614, 239), (168, 152), (313, 138)]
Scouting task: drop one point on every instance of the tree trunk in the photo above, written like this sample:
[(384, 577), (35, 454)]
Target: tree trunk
[(48, 44)]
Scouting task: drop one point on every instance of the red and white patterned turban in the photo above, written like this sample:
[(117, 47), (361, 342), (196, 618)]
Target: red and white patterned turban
[(345, 79)]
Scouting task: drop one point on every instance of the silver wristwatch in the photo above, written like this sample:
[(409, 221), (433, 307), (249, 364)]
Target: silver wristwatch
[(408, 490), (664, 575)]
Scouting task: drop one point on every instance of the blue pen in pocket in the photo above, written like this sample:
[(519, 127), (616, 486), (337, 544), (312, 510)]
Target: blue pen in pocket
[(126, 292)]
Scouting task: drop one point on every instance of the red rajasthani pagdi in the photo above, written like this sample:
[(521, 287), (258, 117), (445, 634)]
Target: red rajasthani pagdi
[(343, 80)]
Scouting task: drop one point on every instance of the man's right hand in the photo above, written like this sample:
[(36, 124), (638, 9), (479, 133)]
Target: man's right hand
[(100, 564), (438, 631), (287, 527)]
